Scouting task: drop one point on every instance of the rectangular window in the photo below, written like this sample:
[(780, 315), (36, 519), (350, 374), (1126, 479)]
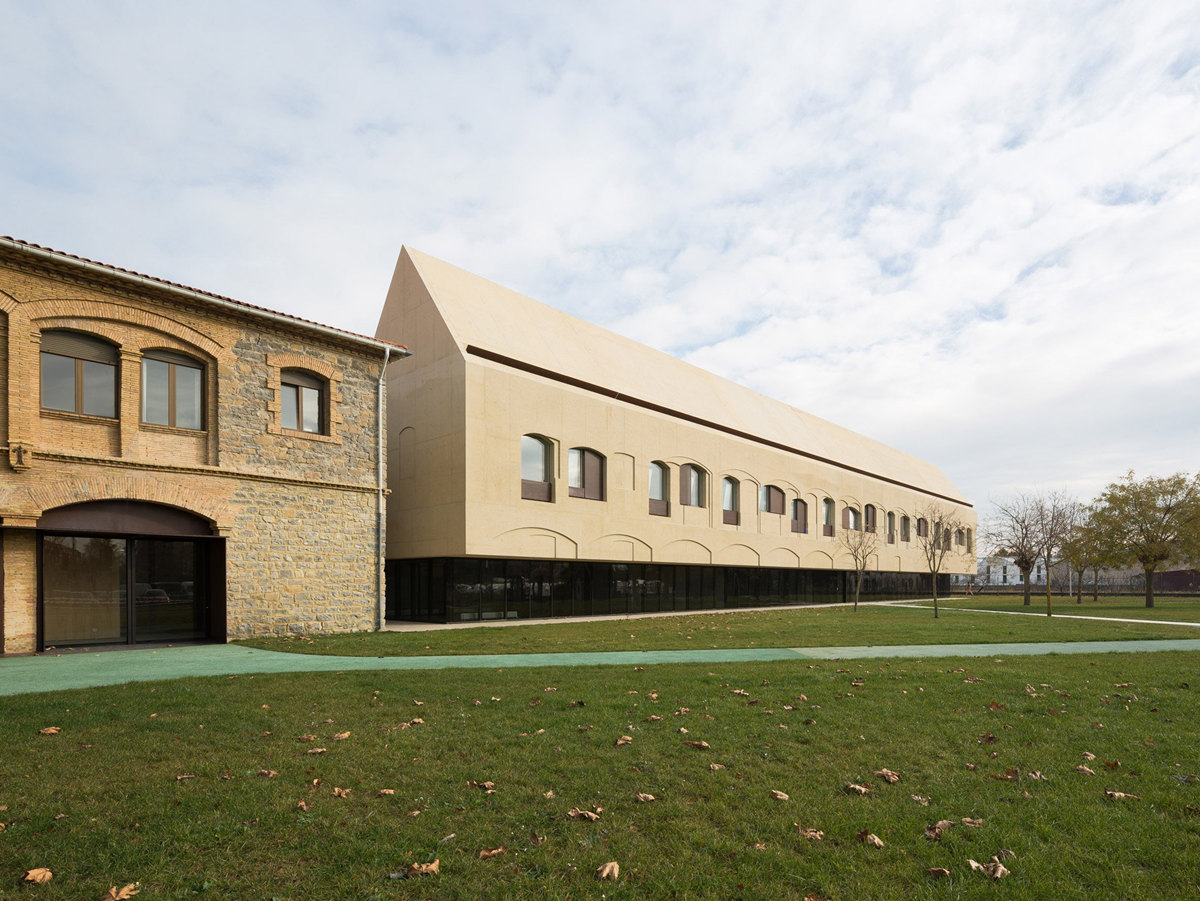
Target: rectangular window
[(585, 474), (172, 392), (691, 485), (79, 386)]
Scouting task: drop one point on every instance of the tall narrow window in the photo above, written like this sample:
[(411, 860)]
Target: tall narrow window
[(585, 474), (922, 527), (172, 390), (827, 516), (731, 490), (536, 469), (851, 519), (891, 528), (79, 374), (770, 499), (691, 485), (799, 516), (970, 545), (304, 400), (660, 489), (905, 529), (869, 517), (960, 538)]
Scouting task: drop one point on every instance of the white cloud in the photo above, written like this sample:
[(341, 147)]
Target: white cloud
[(968, 232)]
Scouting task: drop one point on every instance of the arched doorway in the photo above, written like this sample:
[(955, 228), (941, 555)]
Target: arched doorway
[(128, 572)]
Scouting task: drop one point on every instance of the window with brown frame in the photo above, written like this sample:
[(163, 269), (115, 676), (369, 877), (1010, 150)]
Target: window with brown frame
[(304, 402), (660, 489), (172, 390), (922, 528), (731, 490), (79, 374), (827, 517), (905, 529), (536, 469), (585, 473), (891, 528), (869, 517), (799, 516), (851, 519), (691, 485), (770, 499)]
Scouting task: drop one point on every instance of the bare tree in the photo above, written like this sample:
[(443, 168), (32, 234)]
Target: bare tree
[(936, 530), (1151, 521), (1055, 516), (1014, 534), (1084, 550), (861, 545)]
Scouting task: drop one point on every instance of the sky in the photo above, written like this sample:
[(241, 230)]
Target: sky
[(970, 231)]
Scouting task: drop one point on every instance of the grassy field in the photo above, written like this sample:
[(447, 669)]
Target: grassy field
[(787, 627), (207, 788), (1179, 609)]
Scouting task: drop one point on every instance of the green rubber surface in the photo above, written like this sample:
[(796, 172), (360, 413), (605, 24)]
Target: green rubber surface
[(55, 672)]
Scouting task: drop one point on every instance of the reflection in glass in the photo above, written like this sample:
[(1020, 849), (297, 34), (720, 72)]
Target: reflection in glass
[(83, 590)]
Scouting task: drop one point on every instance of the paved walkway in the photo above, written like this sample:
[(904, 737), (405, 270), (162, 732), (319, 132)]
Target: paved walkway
[(22, 675)]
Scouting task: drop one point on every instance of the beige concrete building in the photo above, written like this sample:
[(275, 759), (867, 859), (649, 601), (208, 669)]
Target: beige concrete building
[(178, 465), (542, 466)]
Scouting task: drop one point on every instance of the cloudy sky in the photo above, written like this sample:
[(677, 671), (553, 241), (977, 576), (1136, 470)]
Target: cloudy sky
[(969, 230)]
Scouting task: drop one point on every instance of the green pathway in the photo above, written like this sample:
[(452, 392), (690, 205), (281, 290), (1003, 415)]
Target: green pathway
[(21, 675)]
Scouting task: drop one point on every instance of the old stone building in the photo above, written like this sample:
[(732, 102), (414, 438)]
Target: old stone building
[(178, 465)]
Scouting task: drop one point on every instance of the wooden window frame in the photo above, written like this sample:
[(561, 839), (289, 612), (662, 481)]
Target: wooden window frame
[(661, 506), (771, 500), (298, 379), (173, 361), (827, 514), (80, 348), (800, 523), (591, 474), (540, 490)]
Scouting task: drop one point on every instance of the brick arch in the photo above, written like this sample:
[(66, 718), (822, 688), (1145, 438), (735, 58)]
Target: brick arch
[(108, 488)]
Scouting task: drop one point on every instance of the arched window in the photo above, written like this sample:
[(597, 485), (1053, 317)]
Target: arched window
[(585, 473), (79, 374), (770, 499), (960, 538), (905, 529), (692, 485), (172, 390), (869, 517), (891, 528), (799, 516), (970, 545), (536, 469), (922, 527), (827, 516), (660, 489), (731, 501), (304, 401), (851, 519)]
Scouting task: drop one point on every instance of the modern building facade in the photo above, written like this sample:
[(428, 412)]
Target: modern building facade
[(542, 466), (178, 465)]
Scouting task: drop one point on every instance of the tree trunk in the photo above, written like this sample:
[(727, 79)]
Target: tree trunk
[(1079, 588), (1025, 579), (1095, 584), (1150, 587), (858, 580), (933, 580)]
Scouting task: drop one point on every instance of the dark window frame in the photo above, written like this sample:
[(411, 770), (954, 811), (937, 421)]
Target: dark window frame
[(827, 514), (660, 506), (731, 515), (771, 500), (298, 380), (81, 348), (800, 516), (174, 361), (687, 473), (543, 489), (591, 471)]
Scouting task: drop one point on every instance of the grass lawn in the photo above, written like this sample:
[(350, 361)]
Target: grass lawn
[(1178, 609), (786, 627), (206, 788)]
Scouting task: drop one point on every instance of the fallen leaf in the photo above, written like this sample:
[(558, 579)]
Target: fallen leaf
[(489, 853), (417, 703), (938, 872), (855, 789), (341, 736), (645, 798), (699, 745), (1113, 764), (423, 869), (682, 711), (315, 751), (869, 838), (760, 846), (1037, 776), (609, 871), (934, 832), (888, 776), (120, 894), (653, 718), (740, 691), (549, 794), (1120, 796), (987, 739), (778, 795), (38, 875), (535, 839), (303, 805), (994, 869), (385, 792), (1005, 854), (1009, 775), (183, 776), (815, 835), (1087, 771), (341, 792), (713, 767), (624, 740), (967, 821), (489, 788), (306, 738), (921, 799), (268, 774), (49, 730), (576, 814), (994, 705), (414, 813), (1088, 755)]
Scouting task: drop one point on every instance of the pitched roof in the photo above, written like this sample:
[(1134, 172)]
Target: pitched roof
[(15, 244), (494, 322)]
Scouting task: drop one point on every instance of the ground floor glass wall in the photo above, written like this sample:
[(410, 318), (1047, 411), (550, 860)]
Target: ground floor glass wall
[(467, 589)]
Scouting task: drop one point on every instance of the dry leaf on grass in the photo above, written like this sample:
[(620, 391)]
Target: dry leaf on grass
[(653, 718), (414, 813), (624, 740), (934, 832), (120, 894), (778, 795), (699, 745), (968, 821), (713, 767), (315, 751), (1088, 755), (1113, 764), (1037, 776), (341, 792), (610, 871), (855, 789), (341, 736), (938, 872), (920, 799), (37, 876), (384, 792), (423, 869), (815, 835), (303, 805), (49, 730), (489, 853), (645, 798), (1009, 775), (1086, 770), (489, 788), (993, 869), (576, 814), (869, 838), (888, 776), (309, 737), (183, 776), (1120, 796), (535, 839), (266, 774)]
